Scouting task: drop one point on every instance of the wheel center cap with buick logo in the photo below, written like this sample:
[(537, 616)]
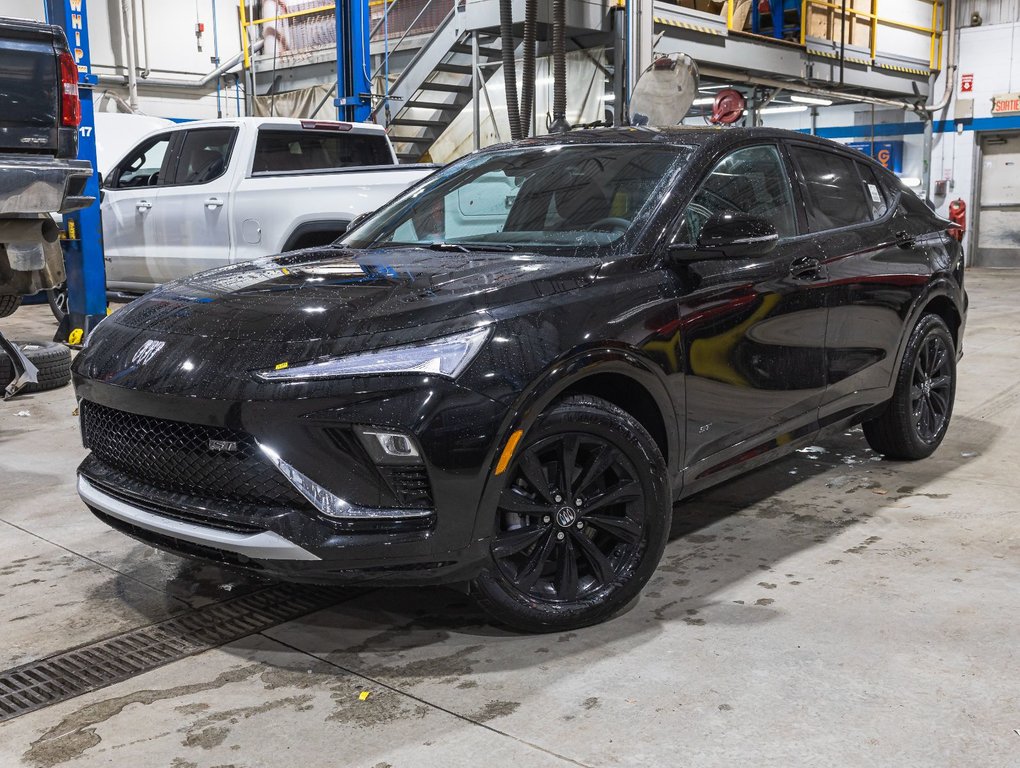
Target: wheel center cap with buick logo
[(565, 516)]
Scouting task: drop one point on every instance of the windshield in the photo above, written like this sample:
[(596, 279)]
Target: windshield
[(584, 200)]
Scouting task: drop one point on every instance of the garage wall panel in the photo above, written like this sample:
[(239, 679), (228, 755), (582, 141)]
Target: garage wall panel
[(172, 48), (992, 11)]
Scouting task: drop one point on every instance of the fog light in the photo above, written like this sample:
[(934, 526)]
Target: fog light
[(395, 444)]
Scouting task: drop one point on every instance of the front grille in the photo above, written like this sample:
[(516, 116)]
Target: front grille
[(410, 486), (176, 456)]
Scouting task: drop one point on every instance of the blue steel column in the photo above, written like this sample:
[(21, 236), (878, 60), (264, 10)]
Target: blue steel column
[(354, 101), (83, 250)]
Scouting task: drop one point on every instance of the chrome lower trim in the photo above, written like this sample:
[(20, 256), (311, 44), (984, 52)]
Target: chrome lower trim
[(258, 546), (332, 505)]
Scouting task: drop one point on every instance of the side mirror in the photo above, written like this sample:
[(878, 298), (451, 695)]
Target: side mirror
[(730, 236)]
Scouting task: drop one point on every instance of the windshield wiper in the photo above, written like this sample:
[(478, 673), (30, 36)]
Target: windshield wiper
[(468, 247), (447, 247)]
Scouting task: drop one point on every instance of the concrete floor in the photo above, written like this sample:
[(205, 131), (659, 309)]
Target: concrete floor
[(833, 609)]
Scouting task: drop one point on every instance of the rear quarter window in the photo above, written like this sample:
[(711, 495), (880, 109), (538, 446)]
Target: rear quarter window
[(875, 191), (282, 151), (834, 191)]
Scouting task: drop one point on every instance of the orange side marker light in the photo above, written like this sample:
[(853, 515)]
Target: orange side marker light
[(508, 451)]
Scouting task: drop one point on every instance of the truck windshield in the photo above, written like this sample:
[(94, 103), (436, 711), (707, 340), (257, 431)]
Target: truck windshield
[(581, 200), (297, 151)]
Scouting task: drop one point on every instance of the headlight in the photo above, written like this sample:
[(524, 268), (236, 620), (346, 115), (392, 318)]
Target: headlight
[(446, 356)]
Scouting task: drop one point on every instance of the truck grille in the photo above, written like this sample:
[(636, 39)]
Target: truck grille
[(178, 456)]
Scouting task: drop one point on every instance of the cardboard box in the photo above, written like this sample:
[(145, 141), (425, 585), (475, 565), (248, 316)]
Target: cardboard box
[(827, 23), (709, 6), (716, 7), (741, 15)]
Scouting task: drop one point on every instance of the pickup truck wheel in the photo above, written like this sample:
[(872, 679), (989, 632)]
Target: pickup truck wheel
[(581, 521), (56, 297), (53, 361), (916, 419), (8, 304)]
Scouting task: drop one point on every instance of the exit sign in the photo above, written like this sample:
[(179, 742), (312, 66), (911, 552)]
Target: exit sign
[(1006, 104)]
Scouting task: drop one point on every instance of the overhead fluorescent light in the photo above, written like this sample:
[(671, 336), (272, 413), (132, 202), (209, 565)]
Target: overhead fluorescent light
[(707, 101), (911, 181), (810, 100), (778, 110)]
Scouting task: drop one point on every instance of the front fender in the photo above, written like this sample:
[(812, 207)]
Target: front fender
[(563, 375)]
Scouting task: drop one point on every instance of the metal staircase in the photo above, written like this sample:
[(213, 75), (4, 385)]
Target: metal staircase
[(435, 86)]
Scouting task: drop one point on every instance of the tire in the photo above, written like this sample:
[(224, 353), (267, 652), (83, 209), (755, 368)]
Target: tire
[(8, 304), (56, 297), (556, 565), (917, 417), (53, 361)]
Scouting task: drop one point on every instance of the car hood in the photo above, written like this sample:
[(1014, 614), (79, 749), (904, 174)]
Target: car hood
[(331, 293)]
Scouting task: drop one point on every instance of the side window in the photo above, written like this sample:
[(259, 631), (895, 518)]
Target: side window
[(874, 191), (752, 180), (204, 155), (835, 195), (142, 167), (279, 151)]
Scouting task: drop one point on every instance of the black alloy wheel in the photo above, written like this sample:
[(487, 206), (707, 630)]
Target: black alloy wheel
[(571, 520), (931, 388), (581, 519), (914, 422)]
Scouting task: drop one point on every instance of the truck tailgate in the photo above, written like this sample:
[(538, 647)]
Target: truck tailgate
[(28, 88)]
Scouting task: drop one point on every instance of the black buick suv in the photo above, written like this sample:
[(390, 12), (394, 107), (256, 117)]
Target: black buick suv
[(509, 374)]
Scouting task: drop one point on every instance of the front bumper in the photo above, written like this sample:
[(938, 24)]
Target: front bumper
[(281, 535)]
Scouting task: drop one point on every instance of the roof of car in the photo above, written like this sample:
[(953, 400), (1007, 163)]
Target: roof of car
[(681, 134), (710, 138)]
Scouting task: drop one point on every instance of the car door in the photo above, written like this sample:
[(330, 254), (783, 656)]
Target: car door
[(193, 222), (753, 328), (131, 193), (876, 263)]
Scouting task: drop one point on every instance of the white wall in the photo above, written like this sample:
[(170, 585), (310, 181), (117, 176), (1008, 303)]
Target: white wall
[(991, 53), (172, 49)]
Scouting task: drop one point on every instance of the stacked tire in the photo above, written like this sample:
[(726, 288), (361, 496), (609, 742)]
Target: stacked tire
[(53, 361)]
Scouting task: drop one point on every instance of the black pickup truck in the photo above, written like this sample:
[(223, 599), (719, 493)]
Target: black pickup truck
[(39, 174)]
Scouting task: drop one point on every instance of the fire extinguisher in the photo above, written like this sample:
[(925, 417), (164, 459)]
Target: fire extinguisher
[(958, 215)]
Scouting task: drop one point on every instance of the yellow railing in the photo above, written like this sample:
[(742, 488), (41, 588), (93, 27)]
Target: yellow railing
[(875, 21)]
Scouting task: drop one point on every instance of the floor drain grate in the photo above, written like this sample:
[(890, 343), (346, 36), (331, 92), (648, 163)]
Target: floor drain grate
[(71, 673)]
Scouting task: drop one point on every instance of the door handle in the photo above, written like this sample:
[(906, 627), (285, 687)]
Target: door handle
[(806, 268), (213, 203), (142, 206)]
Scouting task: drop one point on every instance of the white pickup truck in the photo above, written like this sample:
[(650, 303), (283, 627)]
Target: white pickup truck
[(204, 194)]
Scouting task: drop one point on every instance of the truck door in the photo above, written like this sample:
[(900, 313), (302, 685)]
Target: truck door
[(131, 198), (193, 226)]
